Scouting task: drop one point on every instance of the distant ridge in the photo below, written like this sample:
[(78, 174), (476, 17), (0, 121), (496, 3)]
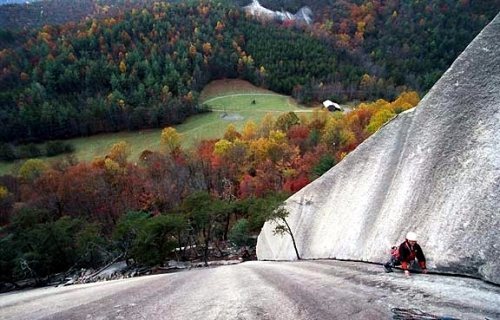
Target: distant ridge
[(434, 170)]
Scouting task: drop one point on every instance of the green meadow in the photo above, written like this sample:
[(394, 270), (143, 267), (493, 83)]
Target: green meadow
[(232, 102)]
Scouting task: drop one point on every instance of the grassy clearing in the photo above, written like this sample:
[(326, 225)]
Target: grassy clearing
[(88, 148), (232, 101)]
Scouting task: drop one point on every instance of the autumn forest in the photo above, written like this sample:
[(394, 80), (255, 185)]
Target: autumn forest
[(143, 65)]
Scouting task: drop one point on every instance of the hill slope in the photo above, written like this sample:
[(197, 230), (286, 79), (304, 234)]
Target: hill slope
[(132, 65), (434, 169)]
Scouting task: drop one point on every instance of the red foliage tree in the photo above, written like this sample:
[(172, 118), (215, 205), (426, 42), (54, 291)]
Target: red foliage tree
[(295, 184)]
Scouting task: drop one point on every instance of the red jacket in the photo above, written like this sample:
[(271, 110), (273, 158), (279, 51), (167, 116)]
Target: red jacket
[(408, 253)]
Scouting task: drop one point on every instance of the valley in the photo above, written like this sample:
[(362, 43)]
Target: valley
[(233, 97)]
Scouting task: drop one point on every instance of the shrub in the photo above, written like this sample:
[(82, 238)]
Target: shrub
[(90, 246), (157, 239), (240, 233), (54, 148), (37, 246), (29, 151), (379, 119), (127, 230), (32, 169), (8, 254), (7, 152), (324, 164)]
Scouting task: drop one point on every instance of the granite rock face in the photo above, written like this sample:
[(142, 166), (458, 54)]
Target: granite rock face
[(434, 169)]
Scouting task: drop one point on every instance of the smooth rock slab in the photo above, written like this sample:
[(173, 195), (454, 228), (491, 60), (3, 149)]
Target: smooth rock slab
[(434, 169), (262, 290)]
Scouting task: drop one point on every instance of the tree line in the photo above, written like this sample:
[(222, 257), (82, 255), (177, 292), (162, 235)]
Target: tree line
[(10, 152)]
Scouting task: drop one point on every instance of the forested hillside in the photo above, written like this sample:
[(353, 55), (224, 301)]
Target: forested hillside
[(139, 69), (144, 68), (17, 15), (406, 42)]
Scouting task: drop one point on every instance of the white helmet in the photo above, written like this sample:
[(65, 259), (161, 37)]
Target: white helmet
[(411, 236)]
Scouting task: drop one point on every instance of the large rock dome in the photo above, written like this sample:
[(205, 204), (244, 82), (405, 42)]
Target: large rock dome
[(434, 170)]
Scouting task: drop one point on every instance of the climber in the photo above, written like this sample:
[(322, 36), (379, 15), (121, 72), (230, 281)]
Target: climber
[(406, 254)]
